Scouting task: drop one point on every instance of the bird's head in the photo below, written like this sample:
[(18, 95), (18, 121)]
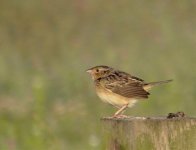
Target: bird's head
[(99, 71)]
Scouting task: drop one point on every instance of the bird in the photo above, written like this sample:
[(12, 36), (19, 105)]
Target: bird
[(120, 89)]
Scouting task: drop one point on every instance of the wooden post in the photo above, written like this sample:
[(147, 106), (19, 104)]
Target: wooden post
[(140, 133)]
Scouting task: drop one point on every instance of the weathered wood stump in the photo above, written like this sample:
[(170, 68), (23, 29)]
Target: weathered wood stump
[(140, 133)]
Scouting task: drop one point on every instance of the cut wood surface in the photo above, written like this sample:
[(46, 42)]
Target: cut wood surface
[(155, 133)]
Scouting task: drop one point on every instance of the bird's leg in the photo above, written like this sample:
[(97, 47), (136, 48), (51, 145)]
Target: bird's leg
[(121, 110)]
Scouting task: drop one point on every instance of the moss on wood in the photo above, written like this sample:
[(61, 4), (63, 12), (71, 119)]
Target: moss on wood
[(150, 133)]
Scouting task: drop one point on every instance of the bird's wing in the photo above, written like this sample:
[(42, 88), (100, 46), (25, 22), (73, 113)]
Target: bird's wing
[(125, 75), (125, 85)]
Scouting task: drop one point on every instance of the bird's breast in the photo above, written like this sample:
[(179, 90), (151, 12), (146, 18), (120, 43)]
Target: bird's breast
[(113, 98)]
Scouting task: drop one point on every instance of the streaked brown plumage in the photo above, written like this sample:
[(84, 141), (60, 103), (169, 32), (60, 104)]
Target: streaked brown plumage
[(119, 88)]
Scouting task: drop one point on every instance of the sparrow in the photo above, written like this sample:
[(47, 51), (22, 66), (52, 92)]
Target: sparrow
[(119, 88)]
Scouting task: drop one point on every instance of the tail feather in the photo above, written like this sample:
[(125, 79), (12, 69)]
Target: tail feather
[(148, 86)]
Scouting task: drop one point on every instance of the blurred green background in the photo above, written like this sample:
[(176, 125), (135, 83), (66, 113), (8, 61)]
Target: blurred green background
[(47, 100)]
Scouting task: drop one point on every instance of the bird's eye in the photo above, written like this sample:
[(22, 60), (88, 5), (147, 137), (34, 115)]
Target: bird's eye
[(97, 70)]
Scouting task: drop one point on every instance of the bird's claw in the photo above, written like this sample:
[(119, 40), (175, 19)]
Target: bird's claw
[(120, 116)]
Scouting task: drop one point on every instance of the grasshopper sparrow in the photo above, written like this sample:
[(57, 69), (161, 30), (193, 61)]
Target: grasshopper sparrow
[(119, 88)]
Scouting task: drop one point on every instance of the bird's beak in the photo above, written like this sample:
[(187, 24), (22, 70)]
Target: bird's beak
[(89, 71)]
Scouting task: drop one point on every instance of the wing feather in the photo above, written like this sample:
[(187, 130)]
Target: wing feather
[(127, 87)]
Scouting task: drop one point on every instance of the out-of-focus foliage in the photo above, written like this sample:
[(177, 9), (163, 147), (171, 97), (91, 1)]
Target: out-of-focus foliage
[(47, 100)]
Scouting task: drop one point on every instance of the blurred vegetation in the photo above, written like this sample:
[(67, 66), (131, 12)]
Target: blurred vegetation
[(47, 100)]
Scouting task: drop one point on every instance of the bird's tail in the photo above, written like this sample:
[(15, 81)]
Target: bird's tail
[(148, 86)]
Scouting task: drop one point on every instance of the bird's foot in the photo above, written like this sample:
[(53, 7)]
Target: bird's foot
[(120, 116)]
